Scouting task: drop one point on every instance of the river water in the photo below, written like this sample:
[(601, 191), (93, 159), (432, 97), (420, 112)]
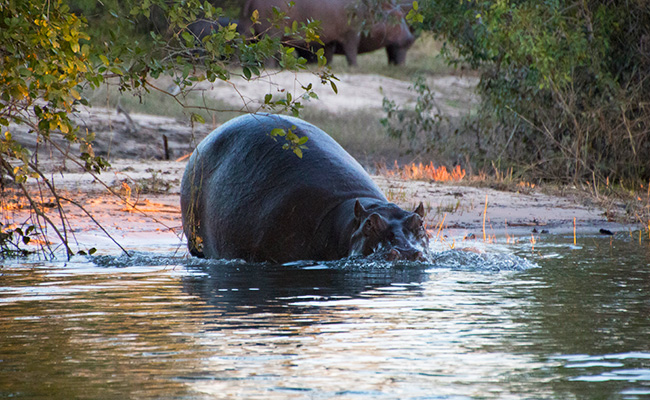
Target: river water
[(555, 321)]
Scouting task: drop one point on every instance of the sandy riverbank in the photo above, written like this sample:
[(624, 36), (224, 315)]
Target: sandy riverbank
[(155, 222), (134, 147)]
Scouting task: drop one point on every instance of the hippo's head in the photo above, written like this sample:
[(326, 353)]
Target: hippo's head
[(399, 36), (387, 229)]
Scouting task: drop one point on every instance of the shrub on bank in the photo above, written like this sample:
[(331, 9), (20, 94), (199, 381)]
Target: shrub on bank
[(565, 84)]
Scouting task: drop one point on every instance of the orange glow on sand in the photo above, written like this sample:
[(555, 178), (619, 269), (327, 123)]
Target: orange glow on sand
[(426, 172)]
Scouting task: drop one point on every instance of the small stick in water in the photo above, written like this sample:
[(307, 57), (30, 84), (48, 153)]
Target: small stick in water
[(484, 214)]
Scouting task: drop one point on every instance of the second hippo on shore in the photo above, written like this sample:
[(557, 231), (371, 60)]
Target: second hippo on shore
[(342, 29), (244, 196)]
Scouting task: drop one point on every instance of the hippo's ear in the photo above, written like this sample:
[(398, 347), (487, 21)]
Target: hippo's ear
[(359, 211), (374, 225), (413, 222), (420, 210)]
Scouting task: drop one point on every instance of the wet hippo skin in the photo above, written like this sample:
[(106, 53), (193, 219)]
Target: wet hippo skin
[(243, 196)]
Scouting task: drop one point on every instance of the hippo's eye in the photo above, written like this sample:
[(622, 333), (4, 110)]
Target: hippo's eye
[(415, 231)]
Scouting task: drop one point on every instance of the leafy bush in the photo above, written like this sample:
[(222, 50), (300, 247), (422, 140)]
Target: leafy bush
[(419, 127), (50, 54), (563, 82)]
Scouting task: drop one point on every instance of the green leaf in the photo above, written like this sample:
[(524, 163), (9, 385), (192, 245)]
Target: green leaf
[(292, 137), (188, 37), (186, 70), (247, 73), (334, 88), (278, 132), (197, 118)]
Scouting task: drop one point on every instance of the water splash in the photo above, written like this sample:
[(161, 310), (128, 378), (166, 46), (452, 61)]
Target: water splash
[(487, 262), (452, 259)]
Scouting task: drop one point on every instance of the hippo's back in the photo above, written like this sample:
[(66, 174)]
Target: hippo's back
[(244, 196)]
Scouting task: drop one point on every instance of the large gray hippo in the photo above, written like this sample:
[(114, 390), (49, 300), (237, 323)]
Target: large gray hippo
[(340, 32), (244, 196), (391, 33)]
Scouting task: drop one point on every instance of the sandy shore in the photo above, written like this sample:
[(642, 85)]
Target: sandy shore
[(453, 211), (134, 147)]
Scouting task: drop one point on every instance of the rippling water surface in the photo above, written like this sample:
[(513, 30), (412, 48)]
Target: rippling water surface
[(554, 322)]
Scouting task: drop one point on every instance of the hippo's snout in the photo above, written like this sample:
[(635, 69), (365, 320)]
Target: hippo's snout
[(390, 232), (409, 254)]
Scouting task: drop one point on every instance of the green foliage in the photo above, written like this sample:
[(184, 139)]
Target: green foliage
[(294, 142), (44, 63), (414, 16), (13, 240), (49, 55), (420, 126), (563, 82)]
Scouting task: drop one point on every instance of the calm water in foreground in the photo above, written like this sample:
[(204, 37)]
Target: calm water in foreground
[(556, 322)]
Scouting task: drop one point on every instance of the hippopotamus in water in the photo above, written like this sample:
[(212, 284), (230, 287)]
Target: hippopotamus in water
[(244, 196)]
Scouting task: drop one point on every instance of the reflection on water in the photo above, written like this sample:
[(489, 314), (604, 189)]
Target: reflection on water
[(467, 326)]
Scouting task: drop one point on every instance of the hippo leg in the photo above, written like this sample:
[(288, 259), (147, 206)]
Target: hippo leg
[(351, 48), (396, 54)]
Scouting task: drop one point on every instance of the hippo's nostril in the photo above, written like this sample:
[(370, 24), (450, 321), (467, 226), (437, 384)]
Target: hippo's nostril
[(409, 254), (394, 254)]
